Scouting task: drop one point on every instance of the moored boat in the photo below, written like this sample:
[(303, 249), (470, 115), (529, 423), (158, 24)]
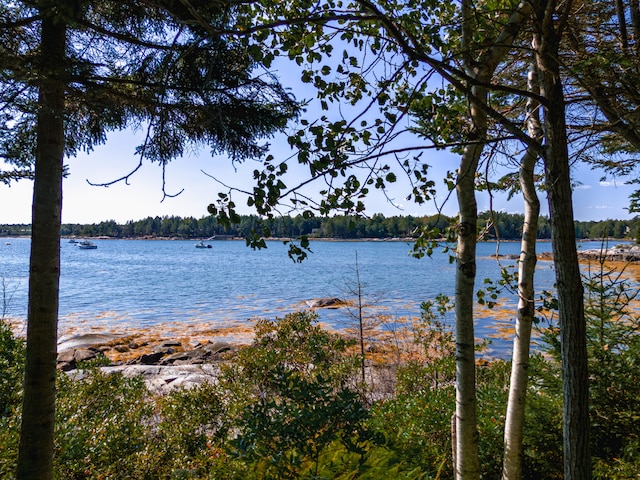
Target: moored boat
[(87, 245)]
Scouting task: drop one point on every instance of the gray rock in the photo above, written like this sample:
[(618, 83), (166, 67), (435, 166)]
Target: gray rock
[(66, 356), (219, 347), (149, 358), (620, 253), (205, 353), (85, 347), (86, 354), (68, 359), (162, 379), (188, 356), (332, 302), (86, 340)]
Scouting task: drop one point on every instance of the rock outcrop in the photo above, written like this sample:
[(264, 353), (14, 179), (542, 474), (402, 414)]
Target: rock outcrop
[(332, 302), (85, 340), (619, 253), (68, 359), (163, 366), (160, 379)]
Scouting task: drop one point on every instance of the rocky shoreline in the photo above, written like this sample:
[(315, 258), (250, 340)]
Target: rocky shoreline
[(168, 358), (627, 253), (618, 253), (162, 365)]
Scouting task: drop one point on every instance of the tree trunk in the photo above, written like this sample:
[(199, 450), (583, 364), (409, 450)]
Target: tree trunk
[(466, 460), (35, 458), (467, 465), (575, 387), (514, 423)]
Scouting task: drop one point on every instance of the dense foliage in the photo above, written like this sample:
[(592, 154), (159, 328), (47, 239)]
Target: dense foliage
[(155, 70), (613, 344), (493, 225)]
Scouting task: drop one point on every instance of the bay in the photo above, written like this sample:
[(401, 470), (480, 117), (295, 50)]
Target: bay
[(147, 283)]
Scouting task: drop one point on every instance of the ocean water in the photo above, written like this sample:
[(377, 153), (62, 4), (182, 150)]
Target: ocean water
[(146, 283)]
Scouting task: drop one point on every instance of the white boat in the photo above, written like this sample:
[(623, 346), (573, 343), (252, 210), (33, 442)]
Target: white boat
[(87, 245), (202, 245)]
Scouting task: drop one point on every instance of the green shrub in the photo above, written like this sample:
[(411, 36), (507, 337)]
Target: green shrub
[(613, 344), (11, 372), (613, 348), (379, 462), (492, 390), (103, 424), (293, 396), (109, 426), (189, 439), (417, 421), (543, 422), (417, 427)]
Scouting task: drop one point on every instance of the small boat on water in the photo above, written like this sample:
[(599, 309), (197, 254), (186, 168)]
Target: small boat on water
[(202, 245), (87, 245), (73, 240)]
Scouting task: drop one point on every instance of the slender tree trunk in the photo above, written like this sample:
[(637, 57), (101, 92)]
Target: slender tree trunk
[(634, 8), (514, 423), (575, 387), (35, 458), (622, 25), (466, 460), (467, 465), (464, 424)]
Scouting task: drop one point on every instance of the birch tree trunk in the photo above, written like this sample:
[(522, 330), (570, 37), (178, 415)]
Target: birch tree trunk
[(467, 464), (514, 423), (575, 387), (466, 460), (35, 457)]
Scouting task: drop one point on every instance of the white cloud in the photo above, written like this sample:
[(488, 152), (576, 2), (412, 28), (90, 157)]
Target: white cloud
[(616, 184)]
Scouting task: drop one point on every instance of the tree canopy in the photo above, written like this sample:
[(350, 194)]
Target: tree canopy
[(138, 65)]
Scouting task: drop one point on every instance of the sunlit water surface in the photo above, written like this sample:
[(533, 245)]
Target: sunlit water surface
[(147, 283)]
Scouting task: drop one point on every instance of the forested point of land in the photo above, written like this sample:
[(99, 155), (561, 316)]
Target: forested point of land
[(493, 225)]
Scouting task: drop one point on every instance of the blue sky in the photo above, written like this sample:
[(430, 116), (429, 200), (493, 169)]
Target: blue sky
[(84, 203), (142, 196)]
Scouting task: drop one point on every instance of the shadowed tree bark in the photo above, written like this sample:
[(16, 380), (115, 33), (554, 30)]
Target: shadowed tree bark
[(550, 20), (35, 458)]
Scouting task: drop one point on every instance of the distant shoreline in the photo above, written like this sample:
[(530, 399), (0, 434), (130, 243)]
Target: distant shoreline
[(313, 239), (492, 226)]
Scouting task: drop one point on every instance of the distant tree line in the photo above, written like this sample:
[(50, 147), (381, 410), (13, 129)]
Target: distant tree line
[(494, 225)]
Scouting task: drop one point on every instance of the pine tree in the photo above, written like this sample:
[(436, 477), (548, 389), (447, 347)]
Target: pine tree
[(73, 71)]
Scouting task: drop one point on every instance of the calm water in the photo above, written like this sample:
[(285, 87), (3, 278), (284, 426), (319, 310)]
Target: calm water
[(141, 283)]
